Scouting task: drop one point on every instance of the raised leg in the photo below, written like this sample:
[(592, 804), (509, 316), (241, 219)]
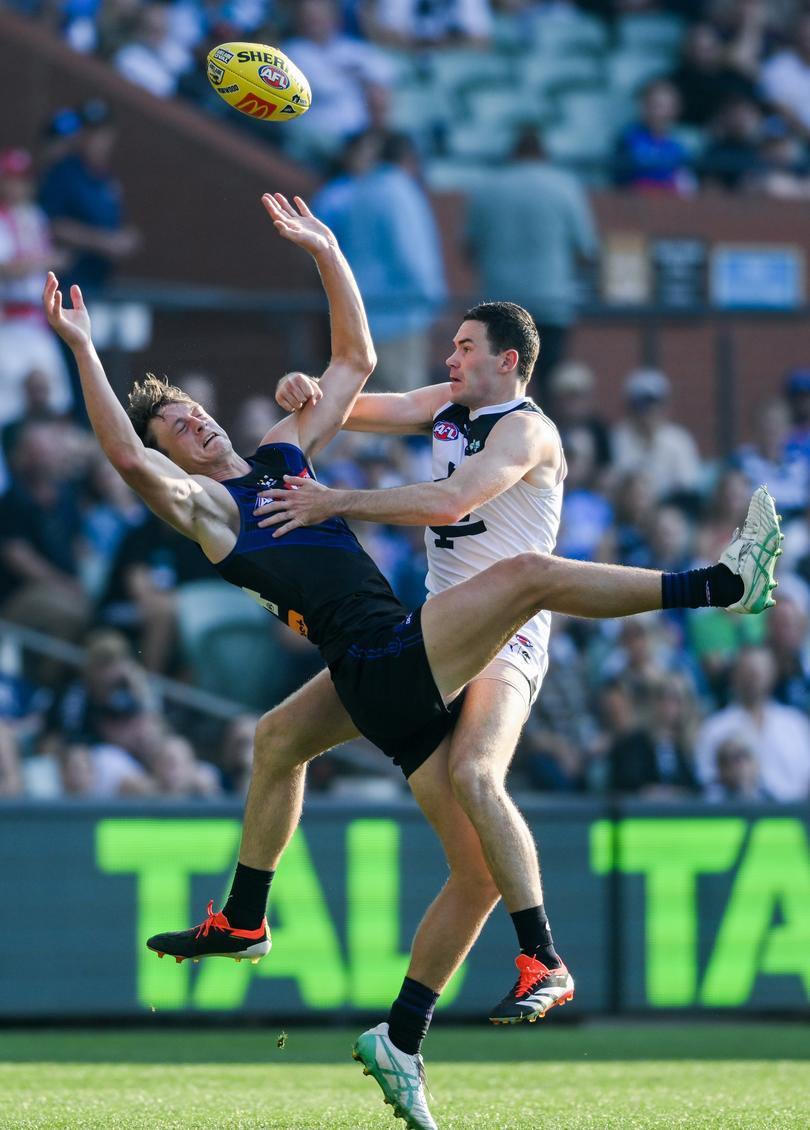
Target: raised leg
[(466, 625)]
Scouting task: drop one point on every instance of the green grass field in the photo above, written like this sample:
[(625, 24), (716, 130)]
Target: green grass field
[(601, 1076)]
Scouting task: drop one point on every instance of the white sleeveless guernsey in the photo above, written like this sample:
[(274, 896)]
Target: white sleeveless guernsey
[(522, 518)]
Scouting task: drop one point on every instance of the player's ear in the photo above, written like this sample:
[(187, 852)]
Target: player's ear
[(509, 360)]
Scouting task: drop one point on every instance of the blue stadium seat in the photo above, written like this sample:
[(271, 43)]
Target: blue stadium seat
[(628, 71), (229, 643), (658, 32)]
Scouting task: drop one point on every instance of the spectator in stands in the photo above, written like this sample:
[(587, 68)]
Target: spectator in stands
[(779, 735), (788, 639), (769, 459), (412, 25), (647, 440), (634, 505), (571, 405), (11, 775), (587, 515), (39, 550), (85, 204), (561, 727), (643, 655), (733, 155), (153, 58), (236, 757), (530, 246), (785, 79), (749, 30), (705, 79), (177, 772), (737, 773), (383, 220), (797, 392), (109, 673), (109, 510), (783, 170), (655, 760), (726, 502), (649, 155), (255, 416), (26, 254), (340, 108), (151, 561)]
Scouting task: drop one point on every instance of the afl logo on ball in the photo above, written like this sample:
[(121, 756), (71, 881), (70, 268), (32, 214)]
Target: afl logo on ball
[(444, 430), (274, 76)]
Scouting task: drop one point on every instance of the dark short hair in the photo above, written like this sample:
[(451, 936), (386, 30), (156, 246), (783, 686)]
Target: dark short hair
[(509, 326), (147, 399)]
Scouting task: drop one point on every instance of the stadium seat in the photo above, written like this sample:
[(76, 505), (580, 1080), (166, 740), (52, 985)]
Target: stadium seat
[(551, 72), (491, 108), (454, 70), (585, 127), (574, 33), (229, 643), (446, 174), (469, 141), (658, 32), (628, 71)]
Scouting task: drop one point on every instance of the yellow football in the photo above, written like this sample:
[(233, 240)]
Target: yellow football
[(258, 80)]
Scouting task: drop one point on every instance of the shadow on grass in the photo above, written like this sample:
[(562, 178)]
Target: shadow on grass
[(592, 1042)]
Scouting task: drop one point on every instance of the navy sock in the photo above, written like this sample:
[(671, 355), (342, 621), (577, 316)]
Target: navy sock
[(534, 935), (410, 1016), (715, 587), (247, 901)]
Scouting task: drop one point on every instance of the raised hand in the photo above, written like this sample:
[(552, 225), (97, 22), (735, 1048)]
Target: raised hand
[(73, 326), (297, 224), (303, 502), (295, 390)]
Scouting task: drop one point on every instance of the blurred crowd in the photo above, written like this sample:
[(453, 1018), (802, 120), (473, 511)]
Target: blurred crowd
[(698, 704), (702, 705), (686, 93)]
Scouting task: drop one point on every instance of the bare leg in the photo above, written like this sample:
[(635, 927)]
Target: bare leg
[(454, 919), (487, 609), (306, 724), (481, 747)]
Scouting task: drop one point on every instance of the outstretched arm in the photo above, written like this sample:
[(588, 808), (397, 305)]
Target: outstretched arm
[(352, 352), (516, 445), (164, 487), (396, 413)]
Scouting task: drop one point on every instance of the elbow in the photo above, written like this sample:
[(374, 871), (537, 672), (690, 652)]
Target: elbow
[(127, 461), (361, 362), (446, 513)]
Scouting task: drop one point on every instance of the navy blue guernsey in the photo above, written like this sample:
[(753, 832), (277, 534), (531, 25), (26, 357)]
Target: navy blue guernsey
[(317, 579)]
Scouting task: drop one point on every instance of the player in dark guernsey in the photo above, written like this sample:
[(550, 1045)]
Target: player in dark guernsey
[(393, 675)]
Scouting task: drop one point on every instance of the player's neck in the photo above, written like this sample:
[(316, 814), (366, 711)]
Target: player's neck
[(231, 468)]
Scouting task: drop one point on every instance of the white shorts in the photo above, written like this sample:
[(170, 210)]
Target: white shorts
[(520, 665)]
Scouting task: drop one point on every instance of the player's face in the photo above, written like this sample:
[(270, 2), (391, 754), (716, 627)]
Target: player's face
[(190, 437), (477, 375)]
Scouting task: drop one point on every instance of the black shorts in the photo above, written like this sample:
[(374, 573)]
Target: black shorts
[(386, 684)]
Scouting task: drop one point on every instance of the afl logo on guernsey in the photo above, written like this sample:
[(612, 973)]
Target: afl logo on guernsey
[(444, 430)]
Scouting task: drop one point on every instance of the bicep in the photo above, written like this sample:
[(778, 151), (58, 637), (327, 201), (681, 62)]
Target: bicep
[(169, 493), (408, 413), (514, 448)]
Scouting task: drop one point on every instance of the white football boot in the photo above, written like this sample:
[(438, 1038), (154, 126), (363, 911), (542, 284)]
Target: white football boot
[(401, 1076), (752, 554)]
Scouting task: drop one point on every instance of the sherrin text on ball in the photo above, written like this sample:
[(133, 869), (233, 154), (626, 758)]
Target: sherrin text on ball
[(258, 80)]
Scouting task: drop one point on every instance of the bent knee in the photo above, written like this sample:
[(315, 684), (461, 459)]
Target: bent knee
[(474, 783), (476, 884), (275, 742)]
